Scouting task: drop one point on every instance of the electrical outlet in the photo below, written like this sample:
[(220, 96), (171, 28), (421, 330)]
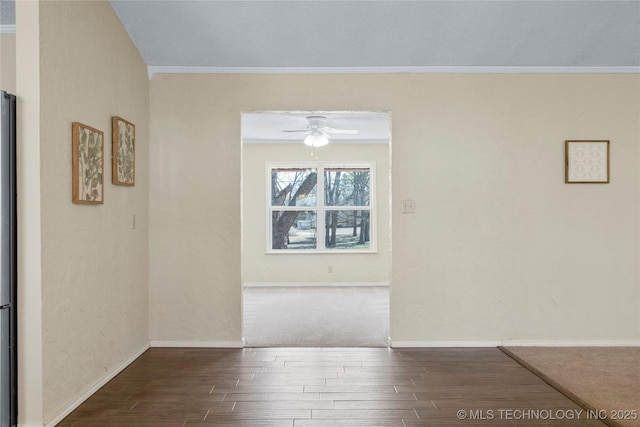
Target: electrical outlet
[(133, 221), (408, 206), (330, 269)]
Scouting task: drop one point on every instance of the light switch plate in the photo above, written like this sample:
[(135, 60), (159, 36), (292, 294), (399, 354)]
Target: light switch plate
[(408, 206)]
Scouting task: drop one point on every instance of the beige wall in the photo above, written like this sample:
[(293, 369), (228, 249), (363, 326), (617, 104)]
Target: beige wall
[(260, 267), (194, 272), (499, 249), (30, 370), (94, 284), (8, 62)]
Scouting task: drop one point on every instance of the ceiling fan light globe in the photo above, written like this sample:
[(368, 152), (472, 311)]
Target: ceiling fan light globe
[(316, 140)]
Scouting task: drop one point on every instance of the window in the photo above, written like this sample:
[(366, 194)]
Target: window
[(341, 202)]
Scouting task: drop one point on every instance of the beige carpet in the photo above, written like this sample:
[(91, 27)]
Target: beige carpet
[(606, 379)]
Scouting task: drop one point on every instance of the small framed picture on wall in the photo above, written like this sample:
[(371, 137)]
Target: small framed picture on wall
[(88, 164), (587, 161), (123, 152)]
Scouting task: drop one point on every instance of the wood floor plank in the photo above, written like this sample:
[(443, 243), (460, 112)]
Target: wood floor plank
[(382, 404), (382, 380), (258, 396), (288, 380), (284, 404), (367, 396), (349, 388), (224, 422), (265, 413), (349, 423), (249, 387), (359, 414)]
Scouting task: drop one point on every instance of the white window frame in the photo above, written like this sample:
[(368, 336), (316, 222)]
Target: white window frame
[(320, 207)]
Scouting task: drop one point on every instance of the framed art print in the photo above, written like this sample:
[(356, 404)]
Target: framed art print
[(123, 152), (587, 161), (88, 164)]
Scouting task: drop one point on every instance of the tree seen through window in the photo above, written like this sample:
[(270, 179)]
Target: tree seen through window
[(341, 201)]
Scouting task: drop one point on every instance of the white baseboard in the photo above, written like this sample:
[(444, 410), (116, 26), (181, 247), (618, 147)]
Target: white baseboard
[(426, 344), (30, 425), (515, 343), (87, 394), (314, 284), (572, 343), (197, 344)]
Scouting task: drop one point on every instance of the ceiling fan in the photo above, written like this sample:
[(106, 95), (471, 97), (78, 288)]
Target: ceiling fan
[(318, 132)]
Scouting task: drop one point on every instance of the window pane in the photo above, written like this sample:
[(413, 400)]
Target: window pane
[(347, 229), (294, 187), (346, 187), (293, 230)]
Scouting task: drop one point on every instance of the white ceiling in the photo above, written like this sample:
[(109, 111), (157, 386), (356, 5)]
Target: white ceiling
[(241, 34), (267, 127), (258, 35), (369, 35)]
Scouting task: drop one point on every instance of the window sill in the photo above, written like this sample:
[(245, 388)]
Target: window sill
[(316, 252)]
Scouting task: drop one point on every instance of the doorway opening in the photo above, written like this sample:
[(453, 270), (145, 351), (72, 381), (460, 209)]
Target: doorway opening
[(316, 253)]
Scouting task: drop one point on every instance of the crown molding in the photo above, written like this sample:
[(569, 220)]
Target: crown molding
[(152, 70), (7, 29)]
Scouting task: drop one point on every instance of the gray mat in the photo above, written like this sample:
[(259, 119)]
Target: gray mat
[(316, 316)]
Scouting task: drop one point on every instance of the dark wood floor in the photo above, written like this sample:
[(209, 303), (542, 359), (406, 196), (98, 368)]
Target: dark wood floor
[(305, 387)]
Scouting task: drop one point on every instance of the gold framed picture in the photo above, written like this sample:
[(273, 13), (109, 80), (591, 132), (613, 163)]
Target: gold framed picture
[(587, 161), (88, 164), (123, 152)]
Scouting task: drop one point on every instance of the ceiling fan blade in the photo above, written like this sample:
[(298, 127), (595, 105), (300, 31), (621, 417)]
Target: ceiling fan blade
[(294, 136), (319, 124), (343, 131)]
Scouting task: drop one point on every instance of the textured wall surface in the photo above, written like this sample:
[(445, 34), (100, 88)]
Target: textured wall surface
[(30, 387), (94, 265), (194, 240), (258, 266), (500, 248), (8, 62)]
